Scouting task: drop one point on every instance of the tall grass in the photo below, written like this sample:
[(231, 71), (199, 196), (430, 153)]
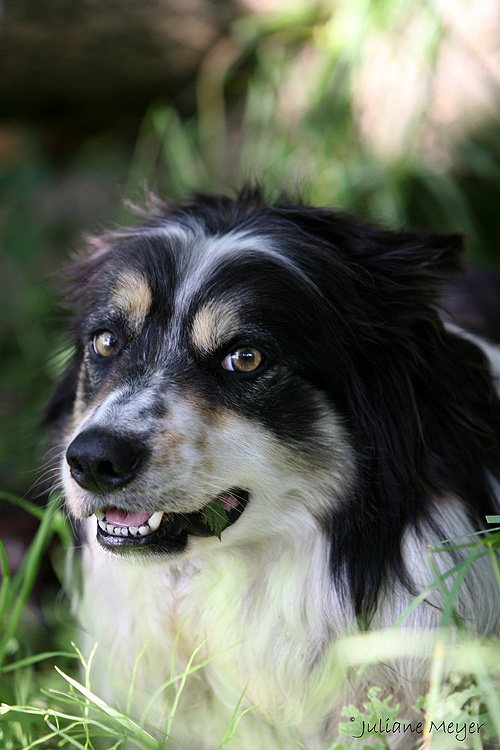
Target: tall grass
[(47, 700)]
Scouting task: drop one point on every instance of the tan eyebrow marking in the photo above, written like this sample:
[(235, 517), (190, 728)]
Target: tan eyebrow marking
[(132, 296), (213, 324)]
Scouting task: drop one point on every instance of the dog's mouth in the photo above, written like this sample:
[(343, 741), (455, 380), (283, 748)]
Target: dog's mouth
[(167, 533)]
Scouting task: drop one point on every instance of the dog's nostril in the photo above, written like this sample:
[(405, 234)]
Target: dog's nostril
[(74, 463), (102, 461), (107, 469)]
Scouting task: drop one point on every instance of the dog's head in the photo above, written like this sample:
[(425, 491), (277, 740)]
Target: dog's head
[(244, 371)]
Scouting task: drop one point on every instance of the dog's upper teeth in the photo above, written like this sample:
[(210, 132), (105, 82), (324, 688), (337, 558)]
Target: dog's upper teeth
[(155, 520), (152, 524)]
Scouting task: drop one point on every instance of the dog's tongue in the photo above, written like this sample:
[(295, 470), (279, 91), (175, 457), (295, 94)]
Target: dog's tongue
[(119, 517)]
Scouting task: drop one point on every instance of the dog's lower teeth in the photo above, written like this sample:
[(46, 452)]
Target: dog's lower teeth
[(144, 530)]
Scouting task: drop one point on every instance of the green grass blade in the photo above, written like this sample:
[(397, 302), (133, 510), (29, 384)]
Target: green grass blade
[(235, 720), (35, 659), (29, 573), (6, 583), (121, 719)]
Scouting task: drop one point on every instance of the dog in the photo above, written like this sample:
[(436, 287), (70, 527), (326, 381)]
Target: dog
[(265, 427)]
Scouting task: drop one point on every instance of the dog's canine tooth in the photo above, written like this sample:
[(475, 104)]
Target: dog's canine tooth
[(102, 524), (155, 520), (99, 515)]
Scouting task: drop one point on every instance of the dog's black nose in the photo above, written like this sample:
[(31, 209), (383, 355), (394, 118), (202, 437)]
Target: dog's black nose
[(101, 461)]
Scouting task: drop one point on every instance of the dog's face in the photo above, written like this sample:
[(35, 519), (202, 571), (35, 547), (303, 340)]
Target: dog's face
[(246, 372), (195, 416)]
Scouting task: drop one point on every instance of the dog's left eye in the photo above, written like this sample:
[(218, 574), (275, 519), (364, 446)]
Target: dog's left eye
[(244, 359), (104, 344)]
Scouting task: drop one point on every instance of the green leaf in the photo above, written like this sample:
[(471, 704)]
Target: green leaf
[(216, 517)]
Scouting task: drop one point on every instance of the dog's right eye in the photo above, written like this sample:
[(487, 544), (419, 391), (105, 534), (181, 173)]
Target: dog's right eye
[(104, 344)]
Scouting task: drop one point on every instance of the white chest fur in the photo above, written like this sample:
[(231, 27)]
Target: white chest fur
[(262, 621), (262, 618)]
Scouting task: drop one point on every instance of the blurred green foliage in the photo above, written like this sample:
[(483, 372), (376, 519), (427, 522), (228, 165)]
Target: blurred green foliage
[(278, 101), (281, 106)]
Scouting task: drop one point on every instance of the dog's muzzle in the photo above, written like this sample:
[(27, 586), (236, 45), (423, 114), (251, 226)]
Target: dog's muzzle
[(104, 463)]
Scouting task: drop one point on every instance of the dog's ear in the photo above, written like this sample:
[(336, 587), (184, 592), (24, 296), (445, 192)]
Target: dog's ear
[(400, 274), (405, 259), (412, 260)]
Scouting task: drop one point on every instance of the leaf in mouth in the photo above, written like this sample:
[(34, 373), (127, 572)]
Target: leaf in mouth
[(216, 517)]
